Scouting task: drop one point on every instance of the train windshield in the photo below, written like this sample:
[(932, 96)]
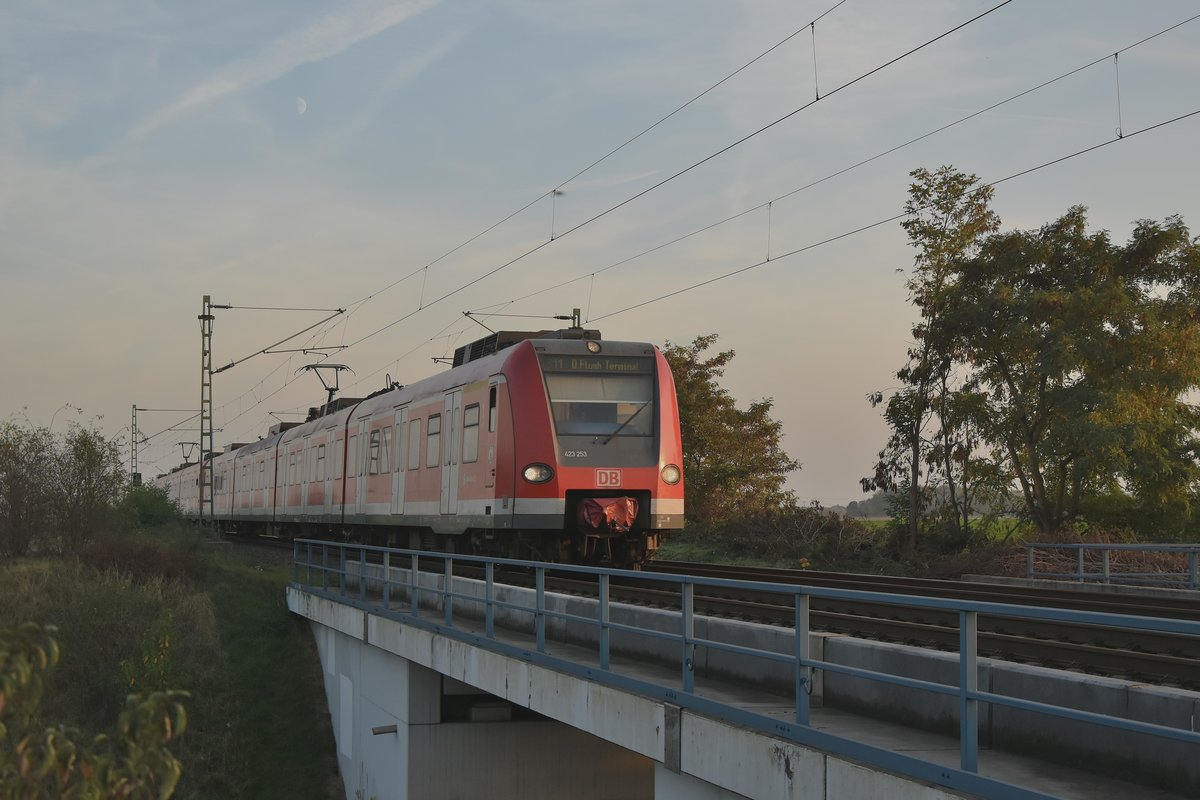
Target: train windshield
[(586, 403)]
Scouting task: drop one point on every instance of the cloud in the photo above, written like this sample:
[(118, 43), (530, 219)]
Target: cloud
[(321, 39)]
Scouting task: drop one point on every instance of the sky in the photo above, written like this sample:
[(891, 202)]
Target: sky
[(399, 160)]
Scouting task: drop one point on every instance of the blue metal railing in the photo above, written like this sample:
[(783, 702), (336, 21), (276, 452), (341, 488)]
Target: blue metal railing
[(1093, 562), (353, 583)]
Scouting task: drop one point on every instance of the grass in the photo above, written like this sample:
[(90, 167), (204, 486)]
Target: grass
[(139, 613)]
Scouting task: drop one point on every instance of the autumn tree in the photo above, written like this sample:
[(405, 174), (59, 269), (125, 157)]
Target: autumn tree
[(1053, 364), (1083, 352), (733, 459)]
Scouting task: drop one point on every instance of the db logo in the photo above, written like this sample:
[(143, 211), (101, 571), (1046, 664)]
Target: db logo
[(610, 478)]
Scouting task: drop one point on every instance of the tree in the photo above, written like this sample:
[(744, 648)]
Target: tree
[(26, 478), (733, 460), (1083, 351), (1053, 363), (55, 490), (90, 479), (948, 216), (54, 763)]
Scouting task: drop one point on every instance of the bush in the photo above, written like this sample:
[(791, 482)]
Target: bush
[(794, 535), (59, 762), (149, 506), (56, 490)]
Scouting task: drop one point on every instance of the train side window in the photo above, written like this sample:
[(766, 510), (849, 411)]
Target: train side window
[(320, 462), (433, 449), (492, 410), (352, 457), (399, 447), (470, 433), (414, 443), (385, 457), (374, 459), (291, 472)]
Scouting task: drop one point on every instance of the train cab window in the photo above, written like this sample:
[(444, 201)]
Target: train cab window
[(470, 433), (414, 444), (433, 448), (601, 405), (385, 450), (492, 410), (374, 457), (352, 457), (320, 462)]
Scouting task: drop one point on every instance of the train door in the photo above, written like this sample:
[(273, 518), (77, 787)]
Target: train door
[(451, 420), (489, 480), (399, 461), (360, 494), (325, 469), (266, 481), (305, 475)]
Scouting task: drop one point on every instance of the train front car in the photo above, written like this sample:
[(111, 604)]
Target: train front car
[(598, 453)]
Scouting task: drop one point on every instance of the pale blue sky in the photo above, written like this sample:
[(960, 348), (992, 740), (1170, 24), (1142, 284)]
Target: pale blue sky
[(310, 154)]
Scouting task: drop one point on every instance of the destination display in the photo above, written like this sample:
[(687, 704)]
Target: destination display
[(609, 364)]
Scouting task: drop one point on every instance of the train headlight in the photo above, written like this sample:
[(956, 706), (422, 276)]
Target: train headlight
[(593, 346), (671, 474), (538, 473)]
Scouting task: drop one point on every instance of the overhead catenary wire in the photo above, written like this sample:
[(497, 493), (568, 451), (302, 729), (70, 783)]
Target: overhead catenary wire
[(680, 173), (558, 187), (767, 204), (894, 217)]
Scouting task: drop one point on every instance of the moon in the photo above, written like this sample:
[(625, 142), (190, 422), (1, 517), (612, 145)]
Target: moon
[(301, 105)]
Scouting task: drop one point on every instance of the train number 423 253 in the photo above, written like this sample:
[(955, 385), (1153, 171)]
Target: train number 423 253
[(575, 454)]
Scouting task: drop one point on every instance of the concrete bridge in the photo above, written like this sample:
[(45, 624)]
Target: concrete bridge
[(467, 688)]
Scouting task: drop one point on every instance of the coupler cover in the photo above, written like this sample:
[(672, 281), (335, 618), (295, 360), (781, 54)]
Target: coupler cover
[(608, 514)]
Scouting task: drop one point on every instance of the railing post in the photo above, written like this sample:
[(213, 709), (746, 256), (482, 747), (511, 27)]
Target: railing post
[(968, 685), (605, 634), (1104, 564), (414, 582), (342, 570), (1192, 570), (804, 673), (308, 566), (1079, 562), (387, 579), (362, 573), (295, 562), (687, 601), (539, 616), (448, 590), (1028, 561), (325, 567), (489, 582)]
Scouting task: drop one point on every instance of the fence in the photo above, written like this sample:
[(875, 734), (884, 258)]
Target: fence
[(1169, 565), (421, 589)]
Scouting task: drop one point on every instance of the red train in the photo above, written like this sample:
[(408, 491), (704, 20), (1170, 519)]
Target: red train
[(553, 445)]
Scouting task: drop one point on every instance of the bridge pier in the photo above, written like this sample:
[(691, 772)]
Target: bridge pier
[(405, 731)]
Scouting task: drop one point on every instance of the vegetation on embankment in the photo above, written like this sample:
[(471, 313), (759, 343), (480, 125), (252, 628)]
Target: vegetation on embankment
[(162, 609)]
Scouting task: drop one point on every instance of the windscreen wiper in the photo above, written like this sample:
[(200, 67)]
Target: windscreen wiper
[(621, 427)]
